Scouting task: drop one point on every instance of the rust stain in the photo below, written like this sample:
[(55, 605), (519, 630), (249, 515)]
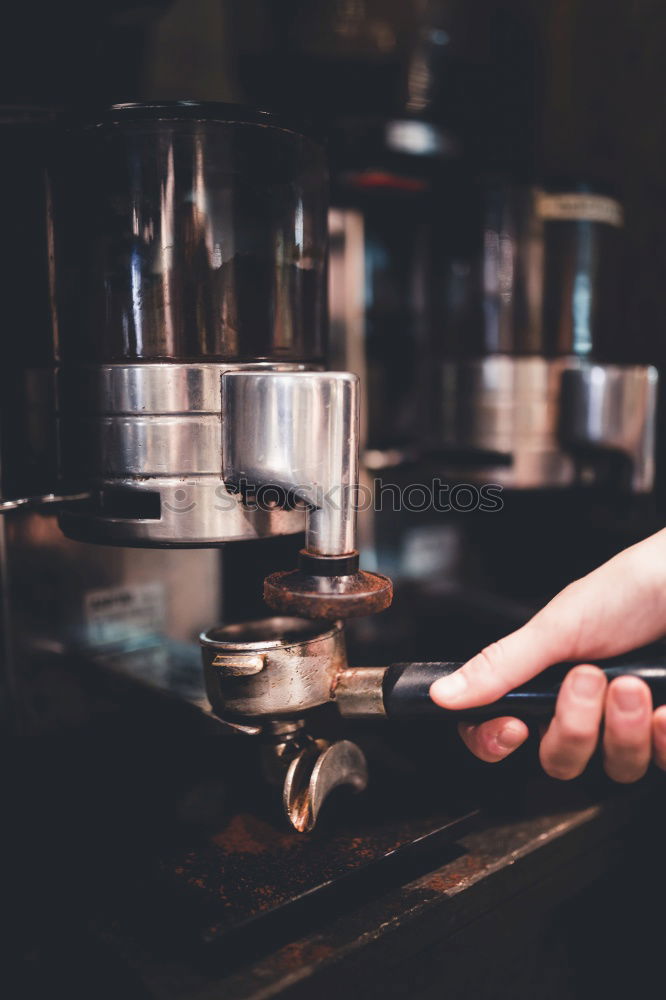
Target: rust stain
[(249, 834), (301, 953), (327, 597), (253, 865), (443, 881)]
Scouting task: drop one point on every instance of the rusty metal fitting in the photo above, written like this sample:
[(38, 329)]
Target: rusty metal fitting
[(351, 595)]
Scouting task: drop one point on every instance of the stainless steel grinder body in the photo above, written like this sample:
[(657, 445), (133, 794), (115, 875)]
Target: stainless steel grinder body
[(193, 246), (192, 404)]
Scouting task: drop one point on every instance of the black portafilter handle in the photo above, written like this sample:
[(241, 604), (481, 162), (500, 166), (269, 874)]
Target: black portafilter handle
[(406, 691)]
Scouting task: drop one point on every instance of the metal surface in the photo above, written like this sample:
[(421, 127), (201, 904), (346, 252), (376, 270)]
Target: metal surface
[(308, 770), (316, 772), (381, 246), (507, 406), (326, 597), (38, 501), (535, 413), (176, 435), (251, 872), (275, 668), (358, 692), (8, 505), (192, 231), (127, 608), (346, 302), (152, 433), (297, 661), (421, 914), (297, 431), (201, 454), (612, 407)]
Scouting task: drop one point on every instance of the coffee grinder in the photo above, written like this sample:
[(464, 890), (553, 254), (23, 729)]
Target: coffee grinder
[(192, 403)]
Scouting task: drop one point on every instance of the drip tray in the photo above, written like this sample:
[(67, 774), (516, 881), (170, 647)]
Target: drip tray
[(253, 872)]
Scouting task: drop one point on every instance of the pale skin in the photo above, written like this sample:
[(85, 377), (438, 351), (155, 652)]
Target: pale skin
[(616, 608)]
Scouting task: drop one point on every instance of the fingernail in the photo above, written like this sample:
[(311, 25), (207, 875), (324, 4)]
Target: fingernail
[(628, 698), (509, 737), (587, 683), (449, 688)]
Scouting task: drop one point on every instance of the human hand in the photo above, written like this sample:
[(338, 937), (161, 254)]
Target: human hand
[(617, 607)]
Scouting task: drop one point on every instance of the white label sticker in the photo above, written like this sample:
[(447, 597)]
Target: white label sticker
[(580, 207), (116, 614)]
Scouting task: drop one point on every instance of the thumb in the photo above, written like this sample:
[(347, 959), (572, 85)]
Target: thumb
[(501, 666)]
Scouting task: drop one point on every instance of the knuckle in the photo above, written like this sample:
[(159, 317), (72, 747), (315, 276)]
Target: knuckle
[(489, 669), (491, 658), (575, 734), (626, 743)]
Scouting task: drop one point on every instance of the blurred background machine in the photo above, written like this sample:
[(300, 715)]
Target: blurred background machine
[(494, 282)]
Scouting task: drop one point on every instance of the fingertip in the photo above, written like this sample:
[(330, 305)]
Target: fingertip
[(477, 682), (494, 740), (512, 735), (587, 681), (448, 691), (628, 695)]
